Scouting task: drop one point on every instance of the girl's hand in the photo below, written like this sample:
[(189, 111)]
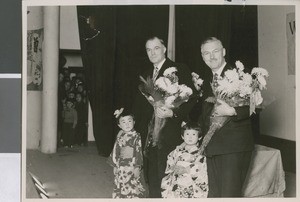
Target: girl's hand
[(179, 170)]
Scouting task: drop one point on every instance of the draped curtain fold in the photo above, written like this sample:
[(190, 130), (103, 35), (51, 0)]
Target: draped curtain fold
[(116, 57)]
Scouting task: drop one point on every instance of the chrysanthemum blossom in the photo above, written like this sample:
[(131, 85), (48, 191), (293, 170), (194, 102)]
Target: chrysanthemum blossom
[(259, 71), (172, 89), (185, 91), (170, 71), (262, 82), (239, 65), (247, 79), (163, 83), (195, 75), (169, 101), (232, 75)]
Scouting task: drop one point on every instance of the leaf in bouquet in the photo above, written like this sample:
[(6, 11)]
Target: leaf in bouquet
[(211, 100), (147, 88), (179, 101)]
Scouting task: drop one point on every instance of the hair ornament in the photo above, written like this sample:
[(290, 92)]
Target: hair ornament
[(118, 112)]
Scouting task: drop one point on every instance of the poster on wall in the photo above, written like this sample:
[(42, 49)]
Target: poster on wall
[(290, 31), (34, 60)]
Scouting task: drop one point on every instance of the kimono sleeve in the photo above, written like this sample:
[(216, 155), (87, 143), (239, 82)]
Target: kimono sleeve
[(171, 162), (138, 151), (115, 154)]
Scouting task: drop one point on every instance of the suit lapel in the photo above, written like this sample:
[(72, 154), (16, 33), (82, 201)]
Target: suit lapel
[(166, 65), (227, 66)]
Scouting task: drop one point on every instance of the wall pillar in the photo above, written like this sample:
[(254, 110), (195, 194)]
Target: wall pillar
[(35, 26), (50, 79)]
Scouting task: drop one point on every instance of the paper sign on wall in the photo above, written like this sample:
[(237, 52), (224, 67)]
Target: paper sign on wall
[(290, 32), (34, 60)]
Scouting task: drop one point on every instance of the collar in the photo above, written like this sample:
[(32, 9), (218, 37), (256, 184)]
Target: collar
[(160, 64), (133, 132), (220, 70)]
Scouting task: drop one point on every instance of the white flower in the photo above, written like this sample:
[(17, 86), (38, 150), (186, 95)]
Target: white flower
[(169, 101), (228, 88), (239, 65), (163, 83), (185, 91), (262, 82), (197, 81), (172, 89), (245, 90), (260, 71), (170, 71), (195, 75), (247, 79), (232, 75), (118, 112)]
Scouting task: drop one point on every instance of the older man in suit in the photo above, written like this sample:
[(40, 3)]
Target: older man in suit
[(229, 150), (170, 136)]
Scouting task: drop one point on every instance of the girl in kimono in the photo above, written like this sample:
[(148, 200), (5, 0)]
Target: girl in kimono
[(186, 169), (126, 159)]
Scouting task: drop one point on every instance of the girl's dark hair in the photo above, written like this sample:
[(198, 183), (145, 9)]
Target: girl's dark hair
[(125, 113), (191, 126)]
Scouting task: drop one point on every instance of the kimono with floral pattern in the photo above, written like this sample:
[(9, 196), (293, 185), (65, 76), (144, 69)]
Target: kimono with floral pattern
[(191, 184), (126, 185)]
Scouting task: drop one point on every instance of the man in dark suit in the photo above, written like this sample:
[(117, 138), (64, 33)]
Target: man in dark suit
[(170, 137), (229, 151)]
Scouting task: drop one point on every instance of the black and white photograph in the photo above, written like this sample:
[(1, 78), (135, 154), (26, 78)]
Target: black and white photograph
[(159, 100)]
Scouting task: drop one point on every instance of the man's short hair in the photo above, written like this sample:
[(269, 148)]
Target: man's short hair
[(211, 39), (155, 37)]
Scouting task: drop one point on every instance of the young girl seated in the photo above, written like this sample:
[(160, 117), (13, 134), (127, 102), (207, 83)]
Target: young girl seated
[(126, 159), (186, 169)]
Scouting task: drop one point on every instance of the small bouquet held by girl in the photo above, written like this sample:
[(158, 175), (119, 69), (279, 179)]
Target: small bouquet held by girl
[(127, 167), (164, 92), (236, 88)]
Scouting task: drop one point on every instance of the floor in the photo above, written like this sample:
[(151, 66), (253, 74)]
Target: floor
[(81, 173)]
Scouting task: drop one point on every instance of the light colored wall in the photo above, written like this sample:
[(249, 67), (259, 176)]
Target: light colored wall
[(278, 118), (69, 32)]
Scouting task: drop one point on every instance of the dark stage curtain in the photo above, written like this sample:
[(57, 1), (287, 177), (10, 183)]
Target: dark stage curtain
[(116, 57), (235, 26)]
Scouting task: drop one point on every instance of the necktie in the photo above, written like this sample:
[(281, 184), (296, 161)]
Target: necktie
[(215, 80), (155, 72)]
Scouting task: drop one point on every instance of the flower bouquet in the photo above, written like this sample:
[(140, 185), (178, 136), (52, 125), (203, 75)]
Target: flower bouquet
[(198, 82), (164, 92), (236, 88)]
